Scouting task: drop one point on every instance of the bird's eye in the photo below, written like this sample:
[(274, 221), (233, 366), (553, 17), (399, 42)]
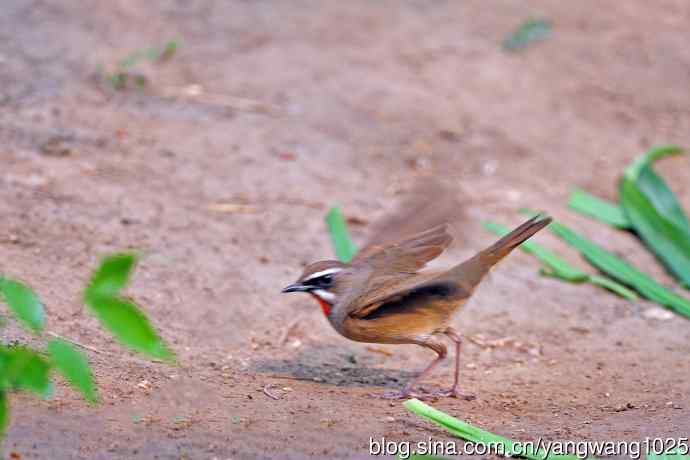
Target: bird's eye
[(325, 280), (322, 281)]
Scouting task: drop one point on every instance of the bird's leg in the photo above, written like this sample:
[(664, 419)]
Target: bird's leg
[(441, 350), (454, 391)]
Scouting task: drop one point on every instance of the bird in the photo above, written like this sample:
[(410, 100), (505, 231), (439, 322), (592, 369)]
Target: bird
[(383, 296)]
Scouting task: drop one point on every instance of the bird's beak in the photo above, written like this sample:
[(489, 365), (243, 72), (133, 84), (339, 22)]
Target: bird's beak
[(296, 287)]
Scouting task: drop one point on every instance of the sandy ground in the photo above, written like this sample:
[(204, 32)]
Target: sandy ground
[(299, 105)]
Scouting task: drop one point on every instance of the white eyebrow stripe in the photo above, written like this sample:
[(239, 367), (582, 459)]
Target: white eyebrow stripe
[(325, 295), (328, 271)]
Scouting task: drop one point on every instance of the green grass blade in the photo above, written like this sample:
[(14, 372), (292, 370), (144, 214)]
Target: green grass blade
[(668, 242), (655, 213), (616, 288), (24, 303), (654, 187), (4, 413), (345, 249), (622, 271), (472, 433), (529, 31), (598, 208), (662, 197), (74, 366), (22, 368)]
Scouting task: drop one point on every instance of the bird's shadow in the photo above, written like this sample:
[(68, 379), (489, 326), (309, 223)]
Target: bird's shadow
[(329, 365)]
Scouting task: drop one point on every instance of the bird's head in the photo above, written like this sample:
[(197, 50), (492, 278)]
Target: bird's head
[(321, 280)]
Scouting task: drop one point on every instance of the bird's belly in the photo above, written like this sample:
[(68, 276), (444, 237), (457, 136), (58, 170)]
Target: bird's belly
[(410, 326)]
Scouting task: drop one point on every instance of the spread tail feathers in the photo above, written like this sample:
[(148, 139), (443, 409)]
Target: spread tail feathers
[(502, 247), (471, 272)]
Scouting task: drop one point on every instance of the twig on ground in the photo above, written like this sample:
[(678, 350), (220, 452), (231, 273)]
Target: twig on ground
[(74, 342), (267, 392), (288, 330)]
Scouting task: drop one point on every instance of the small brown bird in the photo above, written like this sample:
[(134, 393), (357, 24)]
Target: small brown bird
[(382, 297)]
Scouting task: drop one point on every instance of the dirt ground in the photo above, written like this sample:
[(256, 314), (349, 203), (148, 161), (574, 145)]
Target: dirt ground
[(286, 108)]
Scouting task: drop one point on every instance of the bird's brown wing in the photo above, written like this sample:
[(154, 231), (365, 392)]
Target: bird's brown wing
[(387, 290), (406, 256), (402, 244), (392, 270)]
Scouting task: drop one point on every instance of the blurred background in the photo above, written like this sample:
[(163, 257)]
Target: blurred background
[(213, 137)]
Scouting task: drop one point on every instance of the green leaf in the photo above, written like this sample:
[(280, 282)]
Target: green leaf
[(466, 431), (4, 413), (529, 31), (130, 326), (560, 268), (23, 369), (654, 186), (655, 214), (119, 315), (74, 366), (112, 276), (661, 196), (345, 249), (622, 271), (600, 209), (24, 303)]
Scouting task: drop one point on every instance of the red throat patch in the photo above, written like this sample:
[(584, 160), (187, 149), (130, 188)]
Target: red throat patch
[(325, 306)]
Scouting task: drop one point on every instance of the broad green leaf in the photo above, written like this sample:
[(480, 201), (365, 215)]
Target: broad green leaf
[(600, 209), (345, 249), (623, 271), (119, 315), (74, 366), (655, 214), (670, 243), (111, 276), (129, 325), (4, 412), (654, 186), (24, 303), (529, 31), (558, 267), (23, 369), (469, 432), (662, 197)]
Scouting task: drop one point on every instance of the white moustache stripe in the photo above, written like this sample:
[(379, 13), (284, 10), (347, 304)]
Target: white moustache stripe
[(328, 271), (325, 295)]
